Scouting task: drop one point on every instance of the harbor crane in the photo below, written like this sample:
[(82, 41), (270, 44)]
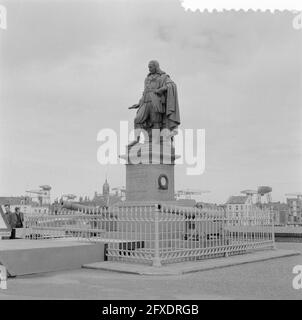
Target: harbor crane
[(298, 195), (43, 194), (188, 193)]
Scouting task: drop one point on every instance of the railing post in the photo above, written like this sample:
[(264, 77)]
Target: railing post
[(273, 231), (156, 259), (226, 226)]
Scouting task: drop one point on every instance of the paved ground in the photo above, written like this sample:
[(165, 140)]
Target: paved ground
[(260, 280), (21, 244), (191, 266)]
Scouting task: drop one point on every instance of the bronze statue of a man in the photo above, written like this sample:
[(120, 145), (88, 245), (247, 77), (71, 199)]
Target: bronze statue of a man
[(158, 107)]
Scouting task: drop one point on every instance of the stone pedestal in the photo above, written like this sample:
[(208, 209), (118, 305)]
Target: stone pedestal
[(150, 172), (146, 182)]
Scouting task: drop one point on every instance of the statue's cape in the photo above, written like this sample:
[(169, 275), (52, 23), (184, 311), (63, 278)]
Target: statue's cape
[(172, 107)]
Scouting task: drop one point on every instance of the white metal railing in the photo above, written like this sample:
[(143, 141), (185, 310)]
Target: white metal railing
[(159, 234), (82, 225)]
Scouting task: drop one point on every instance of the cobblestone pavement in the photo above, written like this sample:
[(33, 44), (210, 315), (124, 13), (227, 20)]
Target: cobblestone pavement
[(260, 280)]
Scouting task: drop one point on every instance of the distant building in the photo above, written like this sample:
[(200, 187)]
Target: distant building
[(279, 210), (24, 203), (295, 210), (239, 206), (37, 209), (207, 205), (106, 199), (242, 210), (106, 188)]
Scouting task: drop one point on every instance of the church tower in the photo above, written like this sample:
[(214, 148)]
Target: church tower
[(106, 188)]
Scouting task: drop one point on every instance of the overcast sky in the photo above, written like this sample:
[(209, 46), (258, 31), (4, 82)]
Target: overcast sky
[(71, 68)]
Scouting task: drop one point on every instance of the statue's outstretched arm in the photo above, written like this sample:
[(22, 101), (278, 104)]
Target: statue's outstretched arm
[(135, 106)]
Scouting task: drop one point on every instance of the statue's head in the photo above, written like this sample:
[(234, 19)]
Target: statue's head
[(154, 67)]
